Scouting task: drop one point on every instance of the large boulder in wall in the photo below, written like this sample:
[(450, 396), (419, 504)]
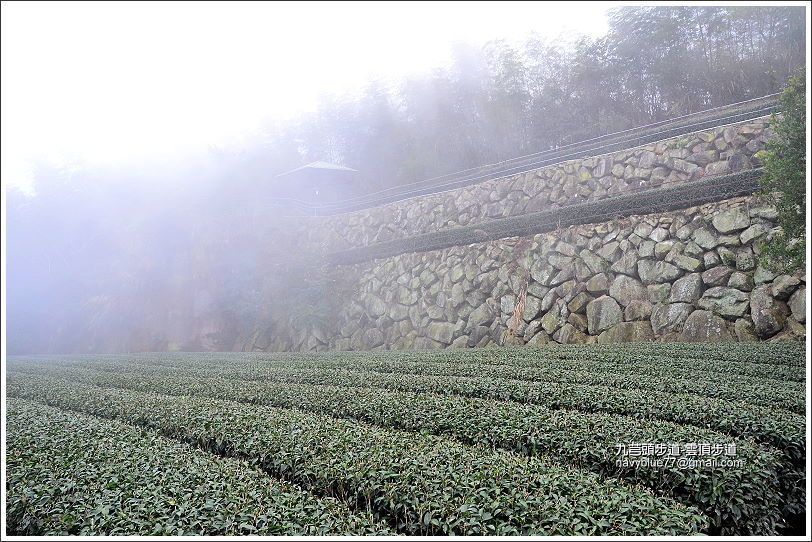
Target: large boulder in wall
[(602, 314), (704, 326), (627, 332), (769, 315)]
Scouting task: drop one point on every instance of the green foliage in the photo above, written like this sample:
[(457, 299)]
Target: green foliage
[(784, 181), (559, 405), (73, 474), (559, 434), (419, 484)]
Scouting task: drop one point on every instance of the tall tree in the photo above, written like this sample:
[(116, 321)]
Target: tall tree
[(784, 180)]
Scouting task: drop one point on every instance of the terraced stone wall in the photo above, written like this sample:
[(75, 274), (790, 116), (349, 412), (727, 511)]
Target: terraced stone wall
[(713, 152), (688, 275)]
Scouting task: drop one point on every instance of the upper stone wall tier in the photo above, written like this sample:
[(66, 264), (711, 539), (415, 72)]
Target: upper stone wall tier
[(713, 152)]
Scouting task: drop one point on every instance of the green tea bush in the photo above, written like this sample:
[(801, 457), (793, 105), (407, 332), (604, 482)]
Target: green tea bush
[(419, 484), (73, 474), (737, 499), (555, 412)]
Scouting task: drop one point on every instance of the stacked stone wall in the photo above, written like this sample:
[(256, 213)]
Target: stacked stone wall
[(708, 153), (688, 275)]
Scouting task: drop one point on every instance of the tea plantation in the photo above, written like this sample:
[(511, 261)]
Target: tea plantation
[(644, 439)]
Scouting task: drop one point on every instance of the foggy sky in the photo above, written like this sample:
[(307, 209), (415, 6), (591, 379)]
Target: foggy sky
[(112, 82)]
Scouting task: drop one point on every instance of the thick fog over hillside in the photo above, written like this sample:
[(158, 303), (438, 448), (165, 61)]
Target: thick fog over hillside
[(184, 247)]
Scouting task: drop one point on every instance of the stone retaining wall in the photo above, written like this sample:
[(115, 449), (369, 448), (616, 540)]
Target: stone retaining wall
[(689, 275), (712, 152)]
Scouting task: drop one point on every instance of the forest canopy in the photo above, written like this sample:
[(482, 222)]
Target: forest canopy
[(502, 100)]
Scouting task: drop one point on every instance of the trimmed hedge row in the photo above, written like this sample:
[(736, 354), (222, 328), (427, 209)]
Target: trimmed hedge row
[(420, 484), (787, 395), (778, 427), (595, 357), (739, 500), (769, 393), (788, 353), (784, 395), (697, 369), (73, 474), (650, 201), (783, 361), (654, 364), (756, 359)]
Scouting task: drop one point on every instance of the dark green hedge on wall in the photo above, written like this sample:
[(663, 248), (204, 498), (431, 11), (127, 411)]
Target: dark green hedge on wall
[(678, 196)]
